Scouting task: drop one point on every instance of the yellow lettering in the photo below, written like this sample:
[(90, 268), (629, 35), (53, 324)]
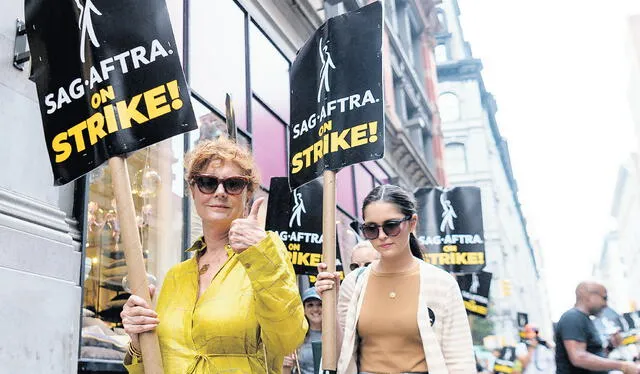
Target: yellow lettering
[(315, 259), (317, 151), (359, 134), (471, 306), (128, 112), (460, 258), (95, 125), (338, 141), (107, 94), (296, 163), (450, 248), (59, 145), (307, 156), (76, 132), (154, 99), (502, 369)]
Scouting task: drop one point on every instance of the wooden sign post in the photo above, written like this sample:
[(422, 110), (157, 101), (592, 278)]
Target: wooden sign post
[(329, 297), (137, 274)]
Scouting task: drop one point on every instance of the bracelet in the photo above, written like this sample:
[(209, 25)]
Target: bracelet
[(135, 353)]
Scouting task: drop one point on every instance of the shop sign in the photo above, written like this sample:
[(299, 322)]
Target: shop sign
[(475, 292), (451, 228), (108, 78), (296, 216), (337, 108)]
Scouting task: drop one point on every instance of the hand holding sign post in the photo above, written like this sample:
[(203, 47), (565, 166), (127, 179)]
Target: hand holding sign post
[(337, 119), (111, 88)]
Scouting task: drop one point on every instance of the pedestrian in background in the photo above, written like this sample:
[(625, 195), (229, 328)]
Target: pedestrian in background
[(579, 349), (301, 361), (362, 255), (399, 314), (535, 354)]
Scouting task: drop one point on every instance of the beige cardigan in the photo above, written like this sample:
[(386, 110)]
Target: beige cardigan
[(447, 344)]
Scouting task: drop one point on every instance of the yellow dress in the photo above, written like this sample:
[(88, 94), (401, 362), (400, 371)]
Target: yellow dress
[(252, 311)]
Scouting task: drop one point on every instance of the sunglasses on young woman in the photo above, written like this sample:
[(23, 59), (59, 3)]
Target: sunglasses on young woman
[(390, 227)]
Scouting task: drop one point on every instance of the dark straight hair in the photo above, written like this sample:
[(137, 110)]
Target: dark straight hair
[(405, 203)]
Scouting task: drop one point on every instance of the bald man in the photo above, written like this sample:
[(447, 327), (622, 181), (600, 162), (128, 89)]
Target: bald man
[(363, 254), (579, 349)]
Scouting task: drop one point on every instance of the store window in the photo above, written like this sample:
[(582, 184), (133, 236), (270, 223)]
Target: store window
[(378, 172), (217, 55), (344, 191), (269, 73), (364, 184), (157, 189), (269, 144)]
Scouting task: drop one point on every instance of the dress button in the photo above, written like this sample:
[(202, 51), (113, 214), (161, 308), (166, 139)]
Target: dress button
[(247, 266)]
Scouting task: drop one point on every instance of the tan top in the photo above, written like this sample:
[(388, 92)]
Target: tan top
[(388, 324), (446, 336)]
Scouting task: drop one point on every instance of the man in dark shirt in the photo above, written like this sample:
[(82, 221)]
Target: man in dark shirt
[(579, 349)]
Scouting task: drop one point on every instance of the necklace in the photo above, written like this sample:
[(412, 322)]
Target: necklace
[(203, 269)]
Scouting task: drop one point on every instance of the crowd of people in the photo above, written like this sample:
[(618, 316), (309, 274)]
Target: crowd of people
[(235, 305)]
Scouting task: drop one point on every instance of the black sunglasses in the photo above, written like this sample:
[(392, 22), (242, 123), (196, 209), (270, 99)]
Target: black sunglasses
[(354, 265), (391, 227), (604, 297), (208, 184)]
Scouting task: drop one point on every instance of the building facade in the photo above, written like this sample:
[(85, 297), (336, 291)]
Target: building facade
[(620, 255), (61, 250), (633, 53), (612, 272), (477, 155)]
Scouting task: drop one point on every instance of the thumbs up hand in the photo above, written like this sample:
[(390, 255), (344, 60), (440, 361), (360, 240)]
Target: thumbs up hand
[(245, 232)]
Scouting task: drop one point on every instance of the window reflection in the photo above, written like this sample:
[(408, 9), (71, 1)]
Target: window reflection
[(364, 185), (269, 144), (155, 172), (269, 73), (217, 54), (210, 125), (344, 190)]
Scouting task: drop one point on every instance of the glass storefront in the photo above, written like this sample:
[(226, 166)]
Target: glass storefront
[(158, 190)]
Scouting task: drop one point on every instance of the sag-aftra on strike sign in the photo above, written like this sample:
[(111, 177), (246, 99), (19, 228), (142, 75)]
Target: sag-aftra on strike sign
[(337, 109), (108, 77)]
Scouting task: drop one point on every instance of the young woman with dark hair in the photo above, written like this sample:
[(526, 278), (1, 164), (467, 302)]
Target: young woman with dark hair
[(400, 314)]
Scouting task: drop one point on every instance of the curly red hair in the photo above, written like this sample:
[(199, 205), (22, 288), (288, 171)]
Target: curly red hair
[(224, 150)]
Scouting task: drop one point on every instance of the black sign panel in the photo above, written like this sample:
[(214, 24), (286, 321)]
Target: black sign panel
[(632, 320), (451, 228), (108, 77), (337, 108), (475, 292), (296, 216), (504, 364), (609, 322), (522, 319)]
